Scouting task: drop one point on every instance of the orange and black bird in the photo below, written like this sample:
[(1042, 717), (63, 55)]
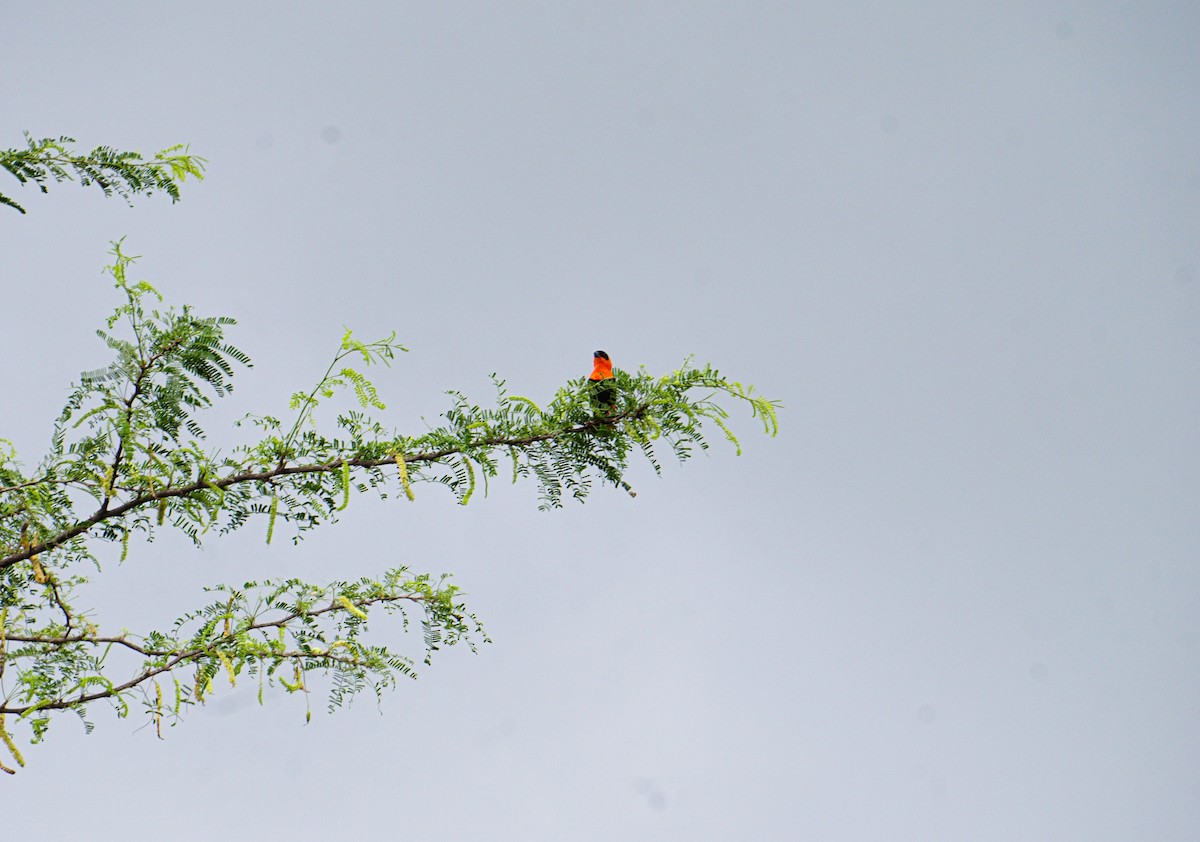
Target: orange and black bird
[(604, 391)]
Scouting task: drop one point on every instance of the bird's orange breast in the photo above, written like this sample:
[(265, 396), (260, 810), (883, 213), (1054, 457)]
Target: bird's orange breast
[(602, 369)]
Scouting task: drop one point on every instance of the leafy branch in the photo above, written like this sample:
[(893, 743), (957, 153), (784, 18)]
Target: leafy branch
[(128, 457), (256, 629), (125, 174)]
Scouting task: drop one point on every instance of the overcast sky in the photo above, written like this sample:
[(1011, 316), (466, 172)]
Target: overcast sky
[(957, 598)]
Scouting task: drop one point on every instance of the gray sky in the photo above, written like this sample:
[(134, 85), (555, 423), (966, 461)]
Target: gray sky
[(957, 598)]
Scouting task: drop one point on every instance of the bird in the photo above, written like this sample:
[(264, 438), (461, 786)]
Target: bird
[(604, 396), (604, 391)]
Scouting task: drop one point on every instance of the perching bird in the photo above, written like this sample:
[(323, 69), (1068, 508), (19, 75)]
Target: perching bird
[(604, 396), (604, 391)]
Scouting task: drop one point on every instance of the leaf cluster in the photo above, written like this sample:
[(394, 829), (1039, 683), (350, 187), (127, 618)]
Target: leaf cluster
[(116, 172)]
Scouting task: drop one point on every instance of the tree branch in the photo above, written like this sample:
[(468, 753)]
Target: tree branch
[(105, 513), (177, 658)]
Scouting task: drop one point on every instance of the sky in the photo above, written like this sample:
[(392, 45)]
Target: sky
[(956, 598)]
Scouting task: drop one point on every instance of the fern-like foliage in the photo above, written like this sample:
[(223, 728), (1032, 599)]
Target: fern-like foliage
[(114, 171), (129, 456)]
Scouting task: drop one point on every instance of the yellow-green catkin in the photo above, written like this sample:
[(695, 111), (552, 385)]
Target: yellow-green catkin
[(351, 607), (470, 481), (403, 467), (158, 709), (228, 667), (271, 518), (8, 741), (292, 687), (345, 486)]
